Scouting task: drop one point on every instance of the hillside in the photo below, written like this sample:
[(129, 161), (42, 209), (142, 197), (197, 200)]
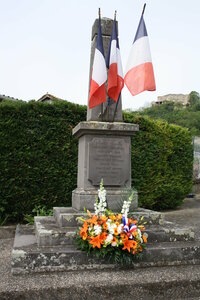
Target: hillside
[(174, 113)]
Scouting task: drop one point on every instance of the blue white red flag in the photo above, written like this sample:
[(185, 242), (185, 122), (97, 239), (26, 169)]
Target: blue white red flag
[(97, 93), (114, 64), (139, 75)]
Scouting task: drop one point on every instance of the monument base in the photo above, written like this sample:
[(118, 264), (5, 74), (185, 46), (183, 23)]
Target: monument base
[(86, 198), (50, 244)]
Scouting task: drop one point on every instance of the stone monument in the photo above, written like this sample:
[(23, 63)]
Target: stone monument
[(104, 146), (104, 152)]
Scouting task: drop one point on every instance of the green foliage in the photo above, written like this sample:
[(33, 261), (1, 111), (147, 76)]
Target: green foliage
[(38, 158), (38, 211), (175, 113), (38, 155), (194, 99), (162, 162), (110, 254)]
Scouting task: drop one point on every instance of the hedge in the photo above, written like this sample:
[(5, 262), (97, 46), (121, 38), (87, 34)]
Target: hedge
[(38, 158), (162, 162)]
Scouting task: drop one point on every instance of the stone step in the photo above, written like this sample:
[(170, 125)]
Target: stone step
[(67, 216), (48, 233), (169, 233), (27, 256)]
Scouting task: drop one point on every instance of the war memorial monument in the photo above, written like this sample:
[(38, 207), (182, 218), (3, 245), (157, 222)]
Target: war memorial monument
[(104, 152)]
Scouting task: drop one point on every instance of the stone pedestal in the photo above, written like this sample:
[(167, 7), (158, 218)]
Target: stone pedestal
[(104, 153)]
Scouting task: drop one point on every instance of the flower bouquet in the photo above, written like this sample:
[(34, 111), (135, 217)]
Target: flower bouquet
[(109, 235)]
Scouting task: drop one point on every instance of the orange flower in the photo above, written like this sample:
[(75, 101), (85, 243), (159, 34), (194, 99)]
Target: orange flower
[(96, 241), (104, 218), (114, 241), (115, 231), (85, 225), (144, 238), (128, 244), (134, 233), (134, 244), (83, 232), (124, 236), (141, 227), (133, 221), (103, 236), (93, 220), (105, 226), (112, 217), (119, 217), (84, 236)]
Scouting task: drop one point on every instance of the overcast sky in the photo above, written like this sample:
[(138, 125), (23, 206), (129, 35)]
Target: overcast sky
[(45, 46)]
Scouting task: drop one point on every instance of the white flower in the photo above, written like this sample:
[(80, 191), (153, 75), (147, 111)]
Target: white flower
[(113, 225), (126, 205), (111, 230), (109, 239), (114, 244), (97, 229), (101, 203), (119, 228)]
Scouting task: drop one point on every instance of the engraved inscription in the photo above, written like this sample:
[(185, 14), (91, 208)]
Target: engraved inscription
[(108, 158)]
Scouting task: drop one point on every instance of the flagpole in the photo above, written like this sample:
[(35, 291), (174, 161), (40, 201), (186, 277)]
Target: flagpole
[(99, 12), (116, 108), (115, 15), (109, 99), (144, 8)]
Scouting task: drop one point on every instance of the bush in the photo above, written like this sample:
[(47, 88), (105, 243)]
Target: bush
[(162, 162), (38, 158), (38, 155)]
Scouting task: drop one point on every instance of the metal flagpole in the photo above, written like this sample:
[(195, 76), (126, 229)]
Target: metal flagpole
[(116, 108), (144, 8), (101, 103)]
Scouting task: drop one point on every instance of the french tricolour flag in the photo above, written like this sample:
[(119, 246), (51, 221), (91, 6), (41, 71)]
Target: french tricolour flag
[(139, 74), (99, 73), (114, 64)]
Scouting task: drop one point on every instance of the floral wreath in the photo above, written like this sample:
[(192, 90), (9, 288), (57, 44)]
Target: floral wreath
[(108, 235)]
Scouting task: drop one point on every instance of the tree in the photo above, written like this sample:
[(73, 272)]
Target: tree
[(194, 99)]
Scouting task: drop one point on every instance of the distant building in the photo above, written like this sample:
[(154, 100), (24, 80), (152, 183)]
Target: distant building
[(4, 97), (48, 98), (177, 98)]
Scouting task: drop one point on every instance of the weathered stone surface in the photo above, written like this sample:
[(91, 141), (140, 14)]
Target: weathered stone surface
[(28, 257), (106, 27), (48, 233), (109, 158), (66, 217), (105, 128), (7, 232), (84, 198)]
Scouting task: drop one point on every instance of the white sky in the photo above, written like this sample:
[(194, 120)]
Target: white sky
[(45, 46)]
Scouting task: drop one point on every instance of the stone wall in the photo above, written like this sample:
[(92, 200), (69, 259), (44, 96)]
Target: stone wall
[(178, 98)]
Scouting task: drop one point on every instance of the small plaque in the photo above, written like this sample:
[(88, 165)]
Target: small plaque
[(109, 158)]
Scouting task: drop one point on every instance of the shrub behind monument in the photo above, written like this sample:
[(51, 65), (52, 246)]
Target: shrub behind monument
[(38, 158), (38, 164), (162, 162)]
